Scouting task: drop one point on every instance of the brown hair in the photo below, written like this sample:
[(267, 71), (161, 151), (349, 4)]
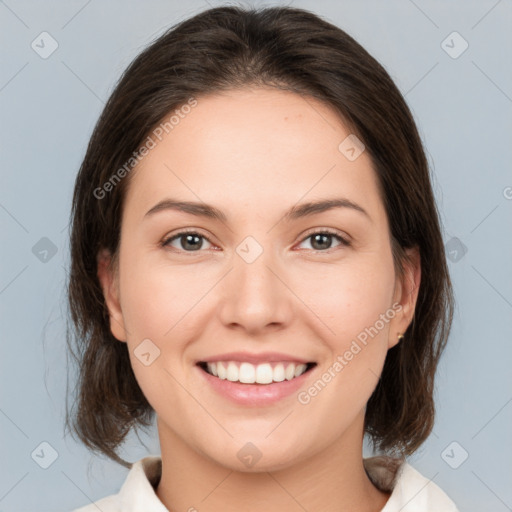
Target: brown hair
[(232, 47)]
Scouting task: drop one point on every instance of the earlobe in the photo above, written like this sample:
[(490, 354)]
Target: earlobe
[(108, 280), (408, 288)]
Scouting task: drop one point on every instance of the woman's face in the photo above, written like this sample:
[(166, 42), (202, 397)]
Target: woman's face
[(257, 281)]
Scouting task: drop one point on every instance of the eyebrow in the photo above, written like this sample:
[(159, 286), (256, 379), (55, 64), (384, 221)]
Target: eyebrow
[(294, 213)]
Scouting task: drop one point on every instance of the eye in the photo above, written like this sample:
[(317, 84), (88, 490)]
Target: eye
[(322, 240), (188, 241), (192, 241)]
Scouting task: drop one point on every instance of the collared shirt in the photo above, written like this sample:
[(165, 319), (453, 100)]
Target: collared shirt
[(410, 490)]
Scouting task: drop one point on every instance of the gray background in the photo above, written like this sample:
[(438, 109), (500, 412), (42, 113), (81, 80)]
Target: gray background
[(48, 108)]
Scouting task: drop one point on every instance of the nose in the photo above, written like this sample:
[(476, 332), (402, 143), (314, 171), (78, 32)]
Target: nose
[(255, 296)]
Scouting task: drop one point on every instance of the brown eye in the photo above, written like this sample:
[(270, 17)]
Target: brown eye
[(322, 240), (188, 241)]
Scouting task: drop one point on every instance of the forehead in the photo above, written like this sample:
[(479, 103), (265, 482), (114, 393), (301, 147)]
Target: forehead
[(256, 147)]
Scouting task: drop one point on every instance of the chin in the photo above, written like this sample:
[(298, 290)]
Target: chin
[(256, 456)]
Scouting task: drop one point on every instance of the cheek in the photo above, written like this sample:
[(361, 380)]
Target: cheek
[(349, 297), (157, 305), (156, 299), (352, 301)]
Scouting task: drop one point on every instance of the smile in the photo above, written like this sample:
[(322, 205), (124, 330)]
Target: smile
[(248, 373)]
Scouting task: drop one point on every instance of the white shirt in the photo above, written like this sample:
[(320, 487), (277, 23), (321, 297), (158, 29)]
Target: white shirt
[(410, 491)]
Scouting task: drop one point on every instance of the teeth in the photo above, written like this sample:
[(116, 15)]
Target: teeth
[(248, 373), (232, 372), (212, 368)]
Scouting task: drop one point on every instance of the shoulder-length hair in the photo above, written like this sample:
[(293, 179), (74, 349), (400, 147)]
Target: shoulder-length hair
[(227, 48)]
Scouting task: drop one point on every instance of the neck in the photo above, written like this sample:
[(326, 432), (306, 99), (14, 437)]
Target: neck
[(333, 480)]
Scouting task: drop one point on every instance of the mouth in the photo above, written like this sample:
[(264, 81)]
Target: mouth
[(243, 372)]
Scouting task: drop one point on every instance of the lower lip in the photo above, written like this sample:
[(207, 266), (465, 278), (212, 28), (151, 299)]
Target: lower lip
[(255, 394)]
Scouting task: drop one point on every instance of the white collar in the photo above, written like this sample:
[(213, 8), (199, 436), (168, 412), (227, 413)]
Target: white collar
[(410, 491)]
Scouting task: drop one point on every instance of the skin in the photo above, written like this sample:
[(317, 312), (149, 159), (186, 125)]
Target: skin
[(253, 154)]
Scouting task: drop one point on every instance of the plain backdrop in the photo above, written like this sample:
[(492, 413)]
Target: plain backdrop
[(452, 62)]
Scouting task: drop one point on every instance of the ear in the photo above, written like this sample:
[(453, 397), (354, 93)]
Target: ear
[(108, 278), (406, 295)]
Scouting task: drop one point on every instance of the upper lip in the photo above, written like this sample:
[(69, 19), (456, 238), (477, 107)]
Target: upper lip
[(248, 357)]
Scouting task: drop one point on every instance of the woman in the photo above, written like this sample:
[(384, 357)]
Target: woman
[(257, 260)]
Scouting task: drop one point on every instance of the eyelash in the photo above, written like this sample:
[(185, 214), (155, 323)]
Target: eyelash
[(344, 242)]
